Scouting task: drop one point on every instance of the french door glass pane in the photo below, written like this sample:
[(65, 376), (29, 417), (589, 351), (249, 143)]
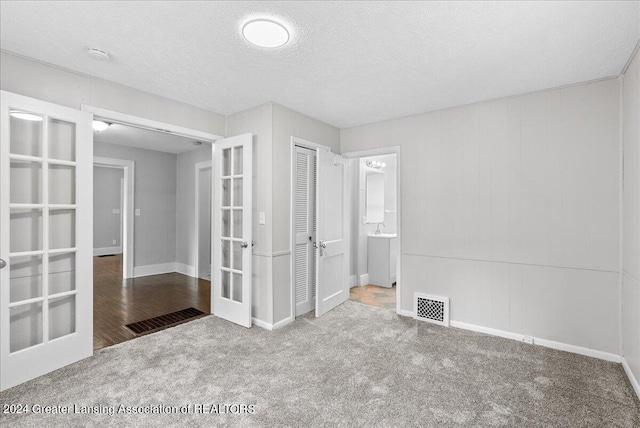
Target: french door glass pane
[(237, 256), (226, 162), (26, 278), (62, 229), (225, 286), (62, 140), (226, 254), (62, 184), (26, 137), (237, 287), (26, 230), (237, 160), (25, 182), (62, 273), (226, 192), (226, 223), (237, 223), (62, 316), (25, 326), (237, 192)]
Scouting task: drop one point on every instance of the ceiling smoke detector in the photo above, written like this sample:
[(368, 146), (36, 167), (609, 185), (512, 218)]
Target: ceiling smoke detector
[(98, 54)]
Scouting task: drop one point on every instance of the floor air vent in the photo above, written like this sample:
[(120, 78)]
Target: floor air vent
[(433, 309), (164, 321)]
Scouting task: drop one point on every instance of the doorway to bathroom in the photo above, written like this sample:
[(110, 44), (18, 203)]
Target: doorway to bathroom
[(375, 263)]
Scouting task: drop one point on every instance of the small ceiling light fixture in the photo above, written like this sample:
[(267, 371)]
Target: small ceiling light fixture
[(99, 125), (18, 114), (98, 54), (197, 143), (376, 164), (265, 33)]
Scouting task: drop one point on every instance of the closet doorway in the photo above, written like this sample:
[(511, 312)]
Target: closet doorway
[(320, 228)]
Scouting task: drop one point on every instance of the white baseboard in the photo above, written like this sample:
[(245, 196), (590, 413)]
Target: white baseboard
[(261, 324), (364, 279), (282, 323), (405, 313), (353, 281), (158, 269), (632, 378), (270, 327), (186, 269), (607, 356), (107, 251)]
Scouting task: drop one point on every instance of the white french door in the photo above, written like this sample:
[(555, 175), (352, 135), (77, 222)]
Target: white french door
[(232, 234), (332, 255), (46, 234)]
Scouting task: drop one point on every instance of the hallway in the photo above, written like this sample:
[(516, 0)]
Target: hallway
[(139, 299)]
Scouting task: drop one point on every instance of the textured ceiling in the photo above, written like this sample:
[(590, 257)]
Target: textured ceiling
[(124, 135), (348, 63)]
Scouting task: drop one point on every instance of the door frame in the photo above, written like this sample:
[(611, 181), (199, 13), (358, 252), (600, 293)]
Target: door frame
[(153, 125), (149, 124), (296, 141), (199, 167), (393, 150), (128, 221)]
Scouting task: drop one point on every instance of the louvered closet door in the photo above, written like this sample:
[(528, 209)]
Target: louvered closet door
[(305, 229)]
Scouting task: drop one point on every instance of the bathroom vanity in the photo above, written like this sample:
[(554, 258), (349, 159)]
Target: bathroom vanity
[(382, 251)]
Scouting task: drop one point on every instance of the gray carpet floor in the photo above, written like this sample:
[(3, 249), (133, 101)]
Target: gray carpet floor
[(356, 366)]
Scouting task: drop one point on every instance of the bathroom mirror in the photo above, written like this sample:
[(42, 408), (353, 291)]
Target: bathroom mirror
[(375, 197)]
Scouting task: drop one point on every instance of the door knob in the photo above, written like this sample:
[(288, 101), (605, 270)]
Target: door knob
[(322, 246), (244, 244), (2, 263)]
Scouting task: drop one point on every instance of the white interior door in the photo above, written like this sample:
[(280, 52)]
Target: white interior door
[(232, 218), (332, 255), (46, 238), (305, 229)]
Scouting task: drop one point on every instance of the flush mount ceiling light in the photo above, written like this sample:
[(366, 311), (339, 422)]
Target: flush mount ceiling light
[(99, 125), (25, 115), (98, 54), (265, 33)]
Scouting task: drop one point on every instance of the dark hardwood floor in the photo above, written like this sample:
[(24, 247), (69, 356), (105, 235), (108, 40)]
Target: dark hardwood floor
[(117, 302)]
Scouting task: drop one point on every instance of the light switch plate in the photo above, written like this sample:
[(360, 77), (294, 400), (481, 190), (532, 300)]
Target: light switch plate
[(262, 218), (113, 242), (137, 211)]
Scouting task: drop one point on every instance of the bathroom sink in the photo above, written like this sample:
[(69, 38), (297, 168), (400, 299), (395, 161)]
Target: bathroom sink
[(384, 235)]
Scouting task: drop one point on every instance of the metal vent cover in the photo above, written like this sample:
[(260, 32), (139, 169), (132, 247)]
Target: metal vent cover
[(434, 309)]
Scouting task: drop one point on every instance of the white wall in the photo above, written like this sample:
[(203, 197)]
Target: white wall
[(511, 209), (630, 274), (155, 196), (53, 84), (288, 123), (107, 197), (186, 239)]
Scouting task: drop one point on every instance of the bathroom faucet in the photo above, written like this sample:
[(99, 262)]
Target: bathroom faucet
[(378, 231)]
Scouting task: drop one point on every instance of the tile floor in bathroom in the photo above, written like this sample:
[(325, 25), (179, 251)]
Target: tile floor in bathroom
[(374, 295)]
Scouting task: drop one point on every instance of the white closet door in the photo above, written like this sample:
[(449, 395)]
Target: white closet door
[(332, 276), (305, 229), (46, 238), (232, 234)]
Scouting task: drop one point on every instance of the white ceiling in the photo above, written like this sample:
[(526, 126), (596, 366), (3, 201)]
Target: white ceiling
[(348, 63), (124, 135)]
